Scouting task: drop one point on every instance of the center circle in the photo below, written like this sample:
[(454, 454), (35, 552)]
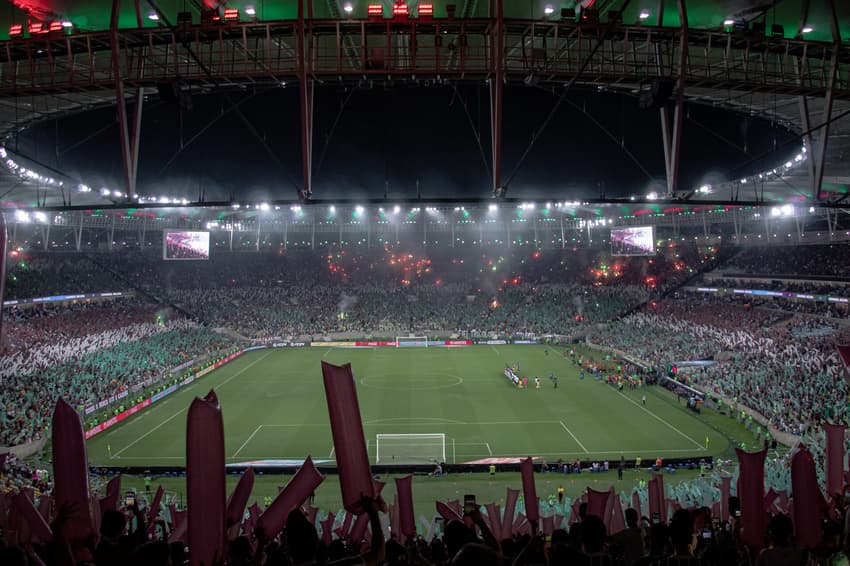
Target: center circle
[(422, 381)]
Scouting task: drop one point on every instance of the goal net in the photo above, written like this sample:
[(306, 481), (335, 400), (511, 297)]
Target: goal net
[(410, 448), (411, 341)]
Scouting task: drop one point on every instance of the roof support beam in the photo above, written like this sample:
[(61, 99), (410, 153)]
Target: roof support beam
[(497, 84), (129, 147), (820, 158), (672, 140), (305, 87)]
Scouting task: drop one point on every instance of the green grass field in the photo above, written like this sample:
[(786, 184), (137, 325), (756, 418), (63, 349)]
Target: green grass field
[(274, 407)]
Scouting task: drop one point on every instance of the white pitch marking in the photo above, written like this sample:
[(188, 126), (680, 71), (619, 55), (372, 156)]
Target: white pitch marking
[(574, 437), (488, 448), (700, 446), (244, 444), (228, 380)]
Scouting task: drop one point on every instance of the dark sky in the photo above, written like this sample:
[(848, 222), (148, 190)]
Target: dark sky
[(402, 135)]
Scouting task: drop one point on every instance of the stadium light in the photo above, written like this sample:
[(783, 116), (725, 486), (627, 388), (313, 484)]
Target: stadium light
[(728, 22), (644, 15), (808, 29), (39, 216), (549, 10), (153, 16), (264, 206), (22, 216), (250, 11), (358, 210), (67, 24), (396, 209), (332, 209), (493, 207), (348, 7)]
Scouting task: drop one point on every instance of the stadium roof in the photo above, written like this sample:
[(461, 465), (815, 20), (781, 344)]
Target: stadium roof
[(804, 24)]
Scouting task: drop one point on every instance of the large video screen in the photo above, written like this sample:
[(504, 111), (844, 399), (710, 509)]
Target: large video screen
[(184, 245), (638, 240)]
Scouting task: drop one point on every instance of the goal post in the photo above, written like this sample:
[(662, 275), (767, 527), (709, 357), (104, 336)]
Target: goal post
[(410, 448), (411, 342)]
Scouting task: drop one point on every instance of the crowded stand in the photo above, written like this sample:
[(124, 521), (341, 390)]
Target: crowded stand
[(773, 360), (754, 347), (818, 260), (90, 367)]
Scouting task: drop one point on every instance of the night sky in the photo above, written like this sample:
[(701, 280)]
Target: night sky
[(402, 134)]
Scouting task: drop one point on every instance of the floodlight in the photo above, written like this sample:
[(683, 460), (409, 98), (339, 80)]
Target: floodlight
[(250, 11), (396, 209), (153, 16), (808, 29), (549, 10), (348, 7), (493, 207), (644, 15)]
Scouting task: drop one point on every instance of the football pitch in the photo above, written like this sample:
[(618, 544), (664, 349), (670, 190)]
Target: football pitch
[(274, 408)]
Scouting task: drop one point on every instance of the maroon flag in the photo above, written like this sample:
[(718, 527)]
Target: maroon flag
[(597, 501), (834, 459), (725, 492), (395, 524), (358, 531), (238, 500), (618, 520), (71, 471), (657, 501), (342, 532), (454, 504), (38, 529), (352, 459), (751, 494), (809, 506), (447, 512), (45, 506), (404, 493), (205, 484), (574, 516), (510, 506), (153, 512), (327, 528), (292, 496), (4, 455), (529, 491), (636, 503), (179, 526), (495, 516), (113, 492)]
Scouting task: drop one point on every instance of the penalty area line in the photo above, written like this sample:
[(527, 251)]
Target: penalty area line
[(633, 402), (157, 427), (244, 444), (574, 437)]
